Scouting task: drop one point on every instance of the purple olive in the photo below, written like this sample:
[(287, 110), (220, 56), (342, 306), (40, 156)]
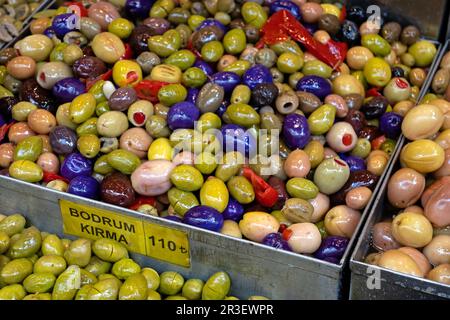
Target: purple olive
[(296, 131), (64, 23), (375, 107), (332, 249), (138, 8), (157, 25), (357, 119), (182, 115), (88, 67), (276, 240), (222, 108), (84, 186), (63, 140), (227, 80), (286, 5), (311, 27), (204, 66), (50, 32), (122, 98), (75, 165), (138, 39), (391, 124), (234, 210), (192, 95), (204, 217), (354, 163), (211, 22), (236, 138), (173, 218), (67, 89), (257, 74), (316, 85)]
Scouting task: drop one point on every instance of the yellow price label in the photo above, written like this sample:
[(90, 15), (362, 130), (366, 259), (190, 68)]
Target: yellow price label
[(138, 236)]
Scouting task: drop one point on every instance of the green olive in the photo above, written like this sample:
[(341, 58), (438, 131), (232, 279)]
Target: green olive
[(181, 201), (166, 44), (96, 266), (423, 52), (242, 114), (134, 288), (101, 108), (161, 8), (239, 67), (79, 252), (194, 77), (82, 107), (287, 46), (27, 244), (253, 14), (67, 284), (52, 245), (88, 127), (16, 271), (123, 161), (208, 121), (152, 278), (171, 94), (377, 72), (102, 166), (4, 242), (124, 268), (186, 178), (302, 188), (21, 110), (241, 189), (156, 126), (39, 282), (218, 285), (377, 44), (234, 41), (50, 264), (230, 166), (241, 94), (316, 153), (109, 250), (183, 59), (214, 193), (317, 68), (12, 292), (29, 148), (362, 148), (289, 62), (171, 283), (192, 289), (97, 91), (322, 119), (194, 21), (205, 162), (88, 145), (212, 51)]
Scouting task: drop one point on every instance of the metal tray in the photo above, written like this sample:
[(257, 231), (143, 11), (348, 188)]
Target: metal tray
[(26, 23), (255, 268), (394, 285)]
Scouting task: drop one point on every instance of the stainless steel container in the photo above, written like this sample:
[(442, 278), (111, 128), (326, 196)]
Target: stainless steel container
[(392, 284)]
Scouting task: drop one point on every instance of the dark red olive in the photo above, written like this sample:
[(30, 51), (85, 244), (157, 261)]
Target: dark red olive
[(157, 25), (88, 52), (375, 107), (369, 132), (138, 39), (362, 178), (89, 67), (279, 186), (354, 101), (356, 118), (116, 189), (32, 92), (63, 140)]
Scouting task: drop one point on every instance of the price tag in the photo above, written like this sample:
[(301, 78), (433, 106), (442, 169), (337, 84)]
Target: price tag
[(167, 244), (138, 236)]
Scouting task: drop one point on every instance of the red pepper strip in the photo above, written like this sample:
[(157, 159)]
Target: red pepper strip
[(48, 176), (377, 142), (83, 11), (265, 194), (105, 77), (148, 89), (128, 53), (4, 130), (373, 92), (283, 24), (142, 200)]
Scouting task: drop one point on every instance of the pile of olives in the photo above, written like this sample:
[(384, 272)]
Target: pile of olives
[(416, 240), (36, 265), (441, 80), (102, 107)]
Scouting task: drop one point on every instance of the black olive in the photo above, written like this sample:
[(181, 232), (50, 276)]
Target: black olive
[(375, 107), (398, 72), (356, 14), (349, 33), (6, 105), (356, 118), (369, 132), (138, 39), (264, 94), (32, 92)]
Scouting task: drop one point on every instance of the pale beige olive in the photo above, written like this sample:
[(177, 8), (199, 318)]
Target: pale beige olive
[(36, 46), (414, 209), (422, 122), (342, 221), (358, 198), (21, 67), (345, 84), (438, 250), (444, 105), (297, 164), (397, 260), (136, 140), (6, 154), (403, 107), (443, 139), (108, 47), (440, 274), (311, 12), (231, 228), (382, 238), (256, 225), (51, 72), (41, 121), (358, 56), (377, 161), (412, 229), (303, 237), (19, 131), (419, 259), (49, 162), (342, 137), (321, 205), (112, 124), (405, 187), (339, 103), (152, 178)]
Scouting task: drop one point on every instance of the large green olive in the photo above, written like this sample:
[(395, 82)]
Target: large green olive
[(52, 245), (79, 252), (12, 224), (192, 289), (241, 189), (123, 161), (27, 244), (134, 288), (171, 283), (231, 163), (239, 67), (317, 68), (377, 72), (194, 77), (39, 282), (4, 243), (242, 114), (322, 119), (212, 51), (331, 175), (88, 145), (253, 14), (289, 62), (234, 41), (67, 284), (182, 201), (423, 52), (105, 289), (26, 170), (109, 250), (152, 277), (97, 266), (171, 94), (301, 188), (12, 292), (377, 44), (89, 126), (82, 107), (186, 178), (50, 264), (183, 59), (16, 271), (218, 285), (102, 166), (124, 268)]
